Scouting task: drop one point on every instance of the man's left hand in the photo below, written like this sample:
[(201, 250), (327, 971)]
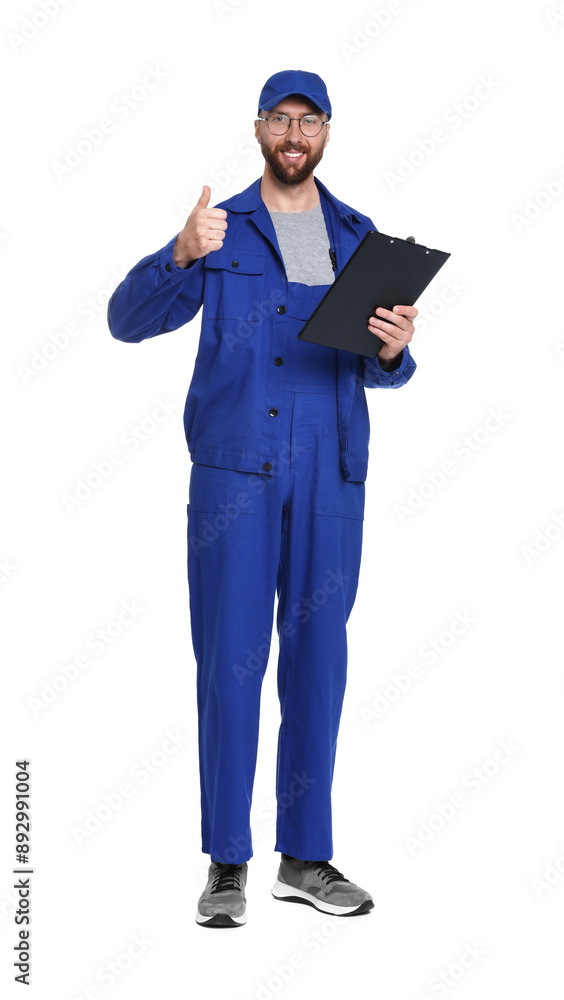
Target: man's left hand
[(395, 328)]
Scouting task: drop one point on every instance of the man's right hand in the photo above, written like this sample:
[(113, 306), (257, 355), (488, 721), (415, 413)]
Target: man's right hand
[(204, 231)]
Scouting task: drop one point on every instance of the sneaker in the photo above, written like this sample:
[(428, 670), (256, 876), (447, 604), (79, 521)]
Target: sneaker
[(223, 903), (319, 884)]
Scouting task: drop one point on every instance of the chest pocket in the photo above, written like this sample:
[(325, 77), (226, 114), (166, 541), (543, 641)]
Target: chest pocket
[(233, 280)]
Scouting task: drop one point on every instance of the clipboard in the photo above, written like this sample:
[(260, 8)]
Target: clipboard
[(381, 271)]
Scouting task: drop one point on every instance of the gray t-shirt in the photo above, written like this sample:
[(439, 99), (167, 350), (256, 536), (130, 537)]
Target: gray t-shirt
[(304, 244)]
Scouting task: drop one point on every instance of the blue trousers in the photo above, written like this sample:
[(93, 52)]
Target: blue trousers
[(295, 532)]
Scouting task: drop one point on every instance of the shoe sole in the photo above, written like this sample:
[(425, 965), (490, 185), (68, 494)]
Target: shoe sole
[(289, 894), (220, 920)]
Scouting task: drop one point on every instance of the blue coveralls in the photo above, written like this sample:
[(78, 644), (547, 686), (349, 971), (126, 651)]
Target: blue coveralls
[(278, 436), (297, 533)]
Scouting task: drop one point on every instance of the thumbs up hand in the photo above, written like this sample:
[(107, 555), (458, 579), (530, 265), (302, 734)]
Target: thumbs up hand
[(204, 231)]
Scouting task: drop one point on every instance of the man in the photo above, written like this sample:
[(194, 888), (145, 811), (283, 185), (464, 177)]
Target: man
[(277, 431)]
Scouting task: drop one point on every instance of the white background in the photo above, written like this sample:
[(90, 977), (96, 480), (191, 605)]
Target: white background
[(484, 543)]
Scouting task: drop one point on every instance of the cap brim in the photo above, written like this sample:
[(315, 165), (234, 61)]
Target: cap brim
[(289, 94)]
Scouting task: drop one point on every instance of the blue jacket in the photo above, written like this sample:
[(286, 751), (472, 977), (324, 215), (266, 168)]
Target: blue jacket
[(249, 311)]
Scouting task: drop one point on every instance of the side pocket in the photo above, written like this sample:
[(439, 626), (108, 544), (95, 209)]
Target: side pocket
[(336, 496), (223, 491)]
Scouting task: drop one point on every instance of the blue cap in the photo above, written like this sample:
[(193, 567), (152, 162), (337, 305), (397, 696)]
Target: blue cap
[(294, 81)]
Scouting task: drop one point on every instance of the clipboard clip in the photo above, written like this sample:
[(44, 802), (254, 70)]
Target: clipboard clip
[(411, 239)]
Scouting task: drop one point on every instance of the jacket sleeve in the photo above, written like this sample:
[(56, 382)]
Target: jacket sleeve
[(373, 375), (156, 296)]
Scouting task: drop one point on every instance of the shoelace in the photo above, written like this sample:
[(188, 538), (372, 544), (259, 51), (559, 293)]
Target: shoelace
[(227, 878), (328, 872)]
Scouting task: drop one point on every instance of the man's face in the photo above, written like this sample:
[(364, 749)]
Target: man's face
[(286, 169)]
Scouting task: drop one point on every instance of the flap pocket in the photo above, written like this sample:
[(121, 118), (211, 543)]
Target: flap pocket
[(233, 279), (237, 261), (226, 492)]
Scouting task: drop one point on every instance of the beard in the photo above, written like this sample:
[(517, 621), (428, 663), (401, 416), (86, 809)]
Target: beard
[(286, 172)]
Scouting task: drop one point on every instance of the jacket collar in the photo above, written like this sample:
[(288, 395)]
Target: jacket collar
[(250, 200)]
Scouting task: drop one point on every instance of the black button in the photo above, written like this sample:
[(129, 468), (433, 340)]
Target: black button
[(168, 267), (267, 466), (273, 411), (234, 263), (281, 309), (278, 361)]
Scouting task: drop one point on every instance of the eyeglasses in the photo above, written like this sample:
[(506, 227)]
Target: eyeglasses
[(310, 125)]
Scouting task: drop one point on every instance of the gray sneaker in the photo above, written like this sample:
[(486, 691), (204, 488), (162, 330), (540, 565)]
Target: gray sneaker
[(223, 903), (319, 884)]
